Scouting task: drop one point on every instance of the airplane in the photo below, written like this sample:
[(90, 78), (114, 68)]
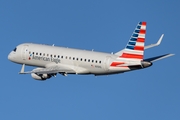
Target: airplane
[(51, 60)]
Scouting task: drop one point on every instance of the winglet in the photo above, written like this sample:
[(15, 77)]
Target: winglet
[(153, 45)]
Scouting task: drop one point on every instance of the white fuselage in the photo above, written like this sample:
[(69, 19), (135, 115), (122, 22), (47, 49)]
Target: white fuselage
[(51, 60), (77, 61)]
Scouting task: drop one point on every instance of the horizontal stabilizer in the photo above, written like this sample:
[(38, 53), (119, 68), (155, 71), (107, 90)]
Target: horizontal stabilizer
[(153, 59), (153, 45)]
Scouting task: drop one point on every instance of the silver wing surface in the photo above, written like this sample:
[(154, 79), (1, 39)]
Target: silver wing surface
[(49, 70)]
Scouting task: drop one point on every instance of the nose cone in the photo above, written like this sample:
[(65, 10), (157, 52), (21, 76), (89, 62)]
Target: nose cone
[(10, 56)]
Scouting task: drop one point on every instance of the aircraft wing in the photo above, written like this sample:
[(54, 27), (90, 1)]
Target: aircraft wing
[(153, 59), (49, 70)]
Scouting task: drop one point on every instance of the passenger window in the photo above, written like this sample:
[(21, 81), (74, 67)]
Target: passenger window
[(61, 56), (58, 56), (43, 54), (33, 53), (66, 57), (29, 52), (81, 59), (99, 61), (76, 58), (36, 53), (85, 60), (54, 55), (96, 61), (47, 55), (92, 61), (69, 57), (39, 53), (73, 58), (89, 60)]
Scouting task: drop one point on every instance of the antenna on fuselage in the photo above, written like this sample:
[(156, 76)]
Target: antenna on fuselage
[(53, 45)]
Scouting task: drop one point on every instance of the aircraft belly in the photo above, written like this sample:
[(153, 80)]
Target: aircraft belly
[(111, 70), (119, 69)]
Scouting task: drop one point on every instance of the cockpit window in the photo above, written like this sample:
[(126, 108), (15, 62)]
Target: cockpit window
[(14, 49)]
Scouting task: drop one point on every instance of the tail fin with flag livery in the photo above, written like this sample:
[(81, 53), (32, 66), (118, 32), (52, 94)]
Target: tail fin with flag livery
[(135, 46)]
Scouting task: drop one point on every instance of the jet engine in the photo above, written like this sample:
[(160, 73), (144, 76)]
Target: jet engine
[(40, 76)]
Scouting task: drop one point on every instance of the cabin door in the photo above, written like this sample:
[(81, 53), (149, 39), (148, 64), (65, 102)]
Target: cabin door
[(107, 62), (24, 52)]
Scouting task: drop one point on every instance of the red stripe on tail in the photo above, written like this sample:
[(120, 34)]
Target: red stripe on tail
[(143, 23), (140, 39), (141, 48), (142, 31), (116, 63), (128, 55)]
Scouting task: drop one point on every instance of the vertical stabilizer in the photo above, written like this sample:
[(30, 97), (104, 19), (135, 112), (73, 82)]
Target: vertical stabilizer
[(135, 46)]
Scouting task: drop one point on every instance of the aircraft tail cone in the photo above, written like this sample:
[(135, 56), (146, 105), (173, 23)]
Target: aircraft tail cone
[(146, 64)]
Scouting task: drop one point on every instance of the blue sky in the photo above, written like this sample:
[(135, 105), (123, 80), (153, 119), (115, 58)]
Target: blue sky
[(106, 26)]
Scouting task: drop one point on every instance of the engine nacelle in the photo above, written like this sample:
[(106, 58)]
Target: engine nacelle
[(41, 76)]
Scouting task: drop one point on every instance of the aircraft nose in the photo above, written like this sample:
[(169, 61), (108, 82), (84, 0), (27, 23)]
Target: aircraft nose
[(10, 56)]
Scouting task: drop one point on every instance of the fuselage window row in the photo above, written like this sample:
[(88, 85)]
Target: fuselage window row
[(58, 56)]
